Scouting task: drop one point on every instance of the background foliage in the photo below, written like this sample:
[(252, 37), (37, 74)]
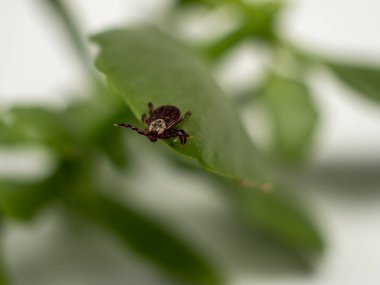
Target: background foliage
[(156, 64)]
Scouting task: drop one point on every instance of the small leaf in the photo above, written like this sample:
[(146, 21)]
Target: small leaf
[(278, 218), (294, 117), (23, 200), (143, 65), (364, 79), (149, 239)]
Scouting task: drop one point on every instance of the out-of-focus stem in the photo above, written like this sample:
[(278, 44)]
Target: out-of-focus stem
[(72, 30)]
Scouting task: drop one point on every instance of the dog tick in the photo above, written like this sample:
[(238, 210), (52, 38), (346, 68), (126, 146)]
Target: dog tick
[(161, 123)]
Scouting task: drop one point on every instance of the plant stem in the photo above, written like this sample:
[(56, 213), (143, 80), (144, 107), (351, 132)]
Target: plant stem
[(72, 30)]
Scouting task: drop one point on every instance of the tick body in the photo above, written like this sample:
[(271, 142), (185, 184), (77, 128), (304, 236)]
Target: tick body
[(161, 123)]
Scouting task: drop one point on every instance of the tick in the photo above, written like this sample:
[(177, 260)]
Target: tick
[(161, 123)]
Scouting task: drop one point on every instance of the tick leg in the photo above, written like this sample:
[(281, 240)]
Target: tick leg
[(144, 119), (181, 137), (169, 134), (187, 114), (181, 134), (136, 129), (150, 108)]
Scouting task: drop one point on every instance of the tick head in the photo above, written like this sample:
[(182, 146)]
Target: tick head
[(152, 137), (157, 126)]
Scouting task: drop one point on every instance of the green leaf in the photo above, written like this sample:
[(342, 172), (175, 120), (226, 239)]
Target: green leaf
[(23, 200), (81, 127), (143, 65), (40, 125), (364, 79), (86, 119), (226, 43), (149, 239), (275, 216), (294, 117), (113, 146), (91, 124), (258, 21)]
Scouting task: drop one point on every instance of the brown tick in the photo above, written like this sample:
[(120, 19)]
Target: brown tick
[(161, 123)]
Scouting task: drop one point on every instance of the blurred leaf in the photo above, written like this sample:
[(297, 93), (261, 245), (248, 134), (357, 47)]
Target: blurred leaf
[(258, 24), (247, 5), (187, 2), (90, 121), (91, 124), (149, 239), (42, 126), (144, 65), (23, 200), (221, 46), (87, 119), (113, 146), (84, 119), (278, 218), (261, 18), (202, 2), (81, 127), (294, 117), (364, 79)]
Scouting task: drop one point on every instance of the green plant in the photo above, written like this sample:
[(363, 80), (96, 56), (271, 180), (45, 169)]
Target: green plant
[(144, 65)]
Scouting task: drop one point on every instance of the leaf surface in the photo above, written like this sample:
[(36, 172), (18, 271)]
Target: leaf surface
[(144, 65), (277, 217), (294, 117)]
